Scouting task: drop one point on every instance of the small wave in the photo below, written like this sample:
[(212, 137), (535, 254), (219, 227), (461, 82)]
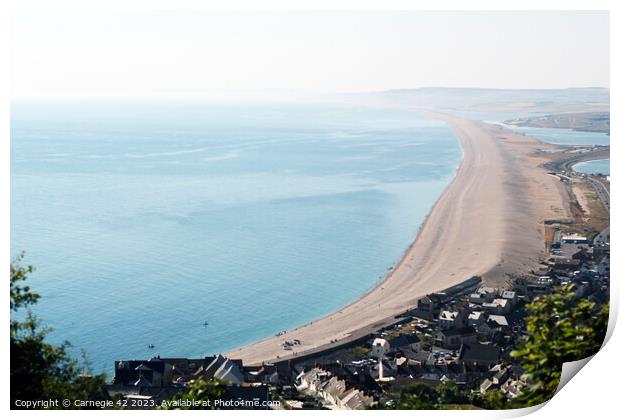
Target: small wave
[(171, 153), (230, 155)]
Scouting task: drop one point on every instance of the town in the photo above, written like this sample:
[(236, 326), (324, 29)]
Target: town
[(461, 336)]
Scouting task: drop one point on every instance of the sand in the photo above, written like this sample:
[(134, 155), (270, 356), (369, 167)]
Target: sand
[(488, 222)]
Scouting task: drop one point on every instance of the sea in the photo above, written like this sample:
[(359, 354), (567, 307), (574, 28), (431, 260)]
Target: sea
[(189, 229), (600, 166), (564, 136)]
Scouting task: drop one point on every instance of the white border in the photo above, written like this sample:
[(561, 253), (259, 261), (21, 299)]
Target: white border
[(591, 395)]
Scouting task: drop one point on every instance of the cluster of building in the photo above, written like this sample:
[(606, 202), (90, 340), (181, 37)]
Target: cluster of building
[(465, 334), (462, 335), (339, 387), (158, 379)]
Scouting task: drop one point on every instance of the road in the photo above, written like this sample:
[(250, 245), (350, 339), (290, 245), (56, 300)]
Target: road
[(602, 192), (565, 167), (566, 164)]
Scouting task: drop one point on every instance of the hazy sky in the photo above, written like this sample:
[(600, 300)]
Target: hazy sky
[(145, 54)]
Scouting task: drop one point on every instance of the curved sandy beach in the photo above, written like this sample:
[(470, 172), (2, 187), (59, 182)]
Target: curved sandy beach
[(488, 222)]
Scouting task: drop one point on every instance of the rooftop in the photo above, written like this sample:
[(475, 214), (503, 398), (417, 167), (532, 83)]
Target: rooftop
[(499, 319), (448, 315), (404, 340), (479, 352)]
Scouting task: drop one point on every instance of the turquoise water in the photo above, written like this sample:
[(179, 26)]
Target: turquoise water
[(143, 221), (593, 167), (564, 136)]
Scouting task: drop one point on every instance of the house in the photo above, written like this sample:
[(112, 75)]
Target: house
[(512, 387), (476, 298), (160, 372), (491, 307), (428, 307), (539, 286), (500, 376), (495, 324), (453, 338), (482, 295), (142, 373), (355, 378), (405, 341), (487, 331), (223, 369), (500, 320), (401, 361), (308, 380), (380, 347), (497, 306), (266, 373), (491, 291), (161, 378), (452, 319), (510, 296), (333, 389), (534, 286), (479, 355), (355, 400), (503, 306), (475, 318), (421, 358)]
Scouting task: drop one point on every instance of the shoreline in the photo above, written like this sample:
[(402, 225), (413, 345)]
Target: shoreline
[(475, 198)]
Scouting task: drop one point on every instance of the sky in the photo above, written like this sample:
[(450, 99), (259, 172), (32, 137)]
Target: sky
[(60, 55)]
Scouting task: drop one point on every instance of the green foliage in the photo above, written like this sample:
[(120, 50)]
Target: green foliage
[(494, 400), (426, 339), (560, 328), (21, 295), (447, 396), (451, 393), (360, 351), (201, 393), (39, 370), (418, 397), (459, 407)]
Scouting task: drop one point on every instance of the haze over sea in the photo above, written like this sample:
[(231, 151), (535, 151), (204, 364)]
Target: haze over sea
[(146, 220)]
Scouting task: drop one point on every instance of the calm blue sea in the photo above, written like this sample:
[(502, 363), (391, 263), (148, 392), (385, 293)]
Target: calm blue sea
[(593, 167), (144, 221)]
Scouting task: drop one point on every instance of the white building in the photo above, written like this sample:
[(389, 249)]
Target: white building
[(380, 346), (574, 239)]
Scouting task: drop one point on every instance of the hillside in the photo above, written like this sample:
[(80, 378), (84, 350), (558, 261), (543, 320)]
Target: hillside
[(582, 121), (572, 100)]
